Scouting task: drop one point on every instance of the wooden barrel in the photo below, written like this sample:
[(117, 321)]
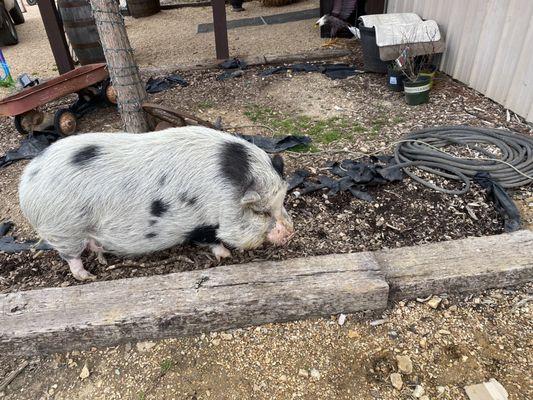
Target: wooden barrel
[(143, 8), (81, 31)]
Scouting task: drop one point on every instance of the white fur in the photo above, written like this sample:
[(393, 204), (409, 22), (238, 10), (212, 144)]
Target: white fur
[(108, 201)]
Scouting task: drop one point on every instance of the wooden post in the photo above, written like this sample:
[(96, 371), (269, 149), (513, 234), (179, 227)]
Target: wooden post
[(123, 70), (221, 29), (56, 35)]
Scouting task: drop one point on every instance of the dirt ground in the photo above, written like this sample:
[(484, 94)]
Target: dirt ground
[(463, 341), (170, 38)]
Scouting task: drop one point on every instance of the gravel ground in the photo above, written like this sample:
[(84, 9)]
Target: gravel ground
[(463, 341), (466, 341), (170, 38)]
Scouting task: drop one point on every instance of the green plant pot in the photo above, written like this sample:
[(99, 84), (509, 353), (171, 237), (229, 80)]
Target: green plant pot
[(417, 92), (395, 80)]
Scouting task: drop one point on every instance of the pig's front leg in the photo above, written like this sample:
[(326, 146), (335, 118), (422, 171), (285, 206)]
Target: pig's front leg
[(99, 250), (220, 251), (80, 273)]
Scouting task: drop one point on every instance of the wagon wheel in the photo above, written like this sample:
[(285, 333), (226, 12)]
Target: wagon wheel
[(109, 94), (175, 117), (29, 121), (65, 122), (19, 125)]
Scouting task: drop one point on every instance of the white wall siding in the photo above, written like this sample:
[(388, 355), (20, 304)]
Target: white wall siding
[(489, 45)]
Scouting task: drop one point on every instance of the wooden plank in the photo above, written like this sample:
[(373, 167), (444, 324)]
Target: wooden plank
[(463, 266), (111, 312)]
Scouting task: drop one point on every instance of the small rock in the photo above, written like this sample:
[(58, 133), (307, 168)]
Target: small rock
[(342, 319), (84, 374), (283, 378), (226, 336), (434, 302), (315, 374), (144, 346), (75, 353), (393, 334), (425, 397), (424, 343), (491, 390), (419, 391), (405, 365), (378, 322), (127, 347), (444, 332), (441, 389), (352, 334), (396, 380), (303, 372), (215, 342)]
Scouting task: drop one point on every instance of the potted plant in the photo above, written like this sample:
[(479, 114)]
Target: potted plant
[(416, 86), (395, 77)]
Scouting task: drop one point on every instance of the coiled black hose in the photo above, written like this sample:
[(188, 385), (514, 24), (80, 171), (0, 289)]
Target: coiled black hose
[(424, 150)]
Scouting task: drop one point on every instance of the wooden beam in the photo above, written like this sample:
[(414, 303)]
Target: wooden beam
[(461, 266), (108, 313), (111, 312), (220, 28), (56, 35)]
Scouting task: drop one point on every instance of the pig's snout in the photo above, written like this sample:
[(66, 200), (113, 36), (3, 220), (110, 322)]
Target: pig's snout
[(283, 231)]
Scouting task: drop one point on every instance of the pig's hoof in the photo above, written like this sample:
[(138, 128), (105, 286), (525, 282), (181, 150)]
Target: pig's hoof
[(84, 276), (220, 252)]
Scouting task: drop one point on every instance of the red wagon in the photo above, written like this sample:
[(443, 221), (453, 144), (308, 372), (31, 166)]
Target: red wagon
[(90, 82)]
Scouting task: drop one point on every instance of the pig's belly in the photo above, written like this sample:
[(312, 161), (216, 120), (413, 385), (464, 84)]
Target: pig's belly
[(140, 239)]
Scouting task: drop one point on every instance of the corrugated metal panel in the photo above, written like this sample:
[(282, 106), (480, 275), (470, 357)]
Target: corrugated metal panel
[(489, 45)]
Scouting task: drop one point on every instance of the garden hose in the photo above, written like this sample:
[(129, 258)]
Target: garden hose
[(512, 168)]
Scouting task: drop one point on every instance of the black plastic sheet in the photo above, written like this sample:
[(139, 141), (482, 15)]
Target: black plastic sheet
[(276, 144), (233, 63), (156, 85), (502, 201), (354, 177), (8, 244), (29, 148)]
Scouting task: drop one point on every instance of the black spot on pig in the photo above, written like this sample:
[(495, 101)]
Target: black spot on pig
[(277, 163), (86, 155), (162, 180), (204, 234), (158, 208), (191, 201), (235, 164), (152, 222), (150, 235)]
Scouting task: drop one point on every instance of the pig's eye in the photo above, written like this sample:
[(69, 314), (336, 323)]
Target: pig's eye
[(264, 213)]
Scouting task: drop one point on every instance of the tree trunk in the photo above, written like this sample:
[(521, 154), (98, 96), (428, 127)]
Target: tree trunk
[(123, 70)]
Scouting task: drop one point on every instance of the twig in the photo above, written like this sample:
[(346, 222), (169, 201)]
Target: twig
[(12, 375)]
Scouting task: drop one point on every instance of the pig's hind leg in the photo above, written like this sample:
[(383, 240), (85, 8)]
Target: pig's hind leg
[(71, 253), (99, 250), (80, 273)]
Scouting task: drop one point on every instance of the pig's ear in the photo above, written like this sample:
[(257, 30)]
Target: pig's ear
[(277, 163), (250, 197)]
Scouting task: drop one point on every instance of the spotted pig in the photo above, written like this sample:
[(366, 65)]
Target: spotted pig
[(130, 194)]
